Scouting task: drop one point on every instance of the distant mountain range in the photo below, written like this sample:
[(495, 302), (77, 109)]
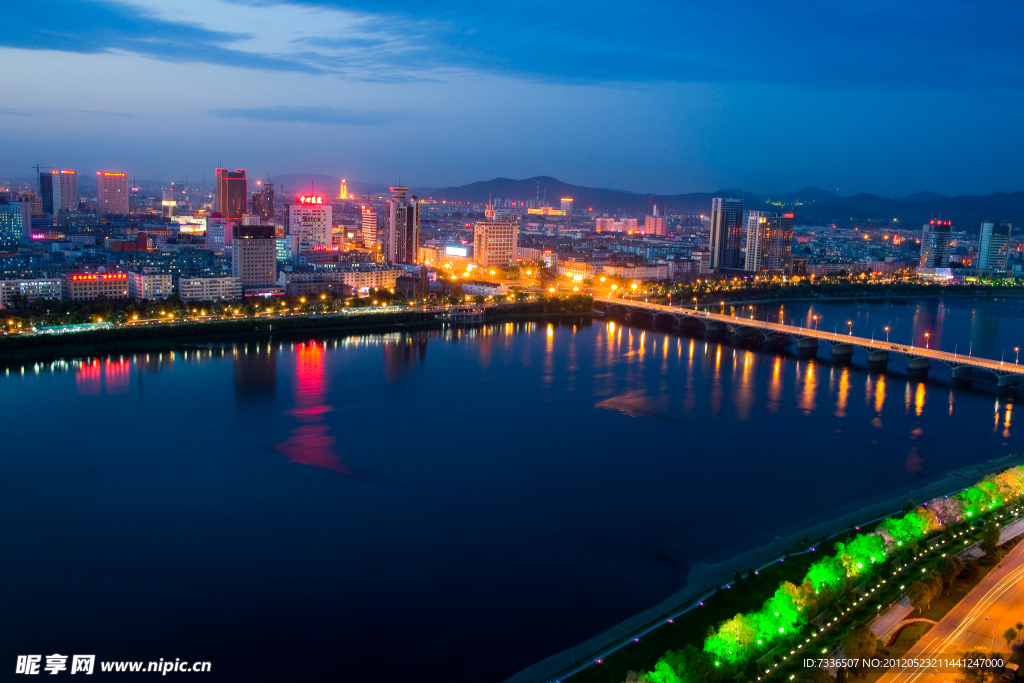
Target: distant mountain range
[(811, 205)]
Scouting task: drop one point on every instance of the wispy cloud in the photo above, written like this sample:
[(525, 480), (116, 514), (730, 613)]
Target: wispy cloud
[(123, 114), (322, 115), (13, 112)]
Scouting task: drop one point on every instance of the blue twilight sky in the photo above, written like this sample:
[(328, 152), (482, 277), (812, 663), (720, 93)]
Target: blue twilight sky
[(668, 97)]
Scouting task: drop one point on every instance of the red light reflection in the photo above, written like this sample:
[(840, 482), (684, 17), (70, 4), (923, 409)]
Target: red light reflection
[(87, 379), (310, 444), (117, 375)]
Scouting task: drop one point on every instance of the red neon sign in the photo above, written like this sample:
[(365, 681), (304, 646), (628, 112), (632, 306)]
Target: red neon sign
[(111, 276), (303, 199), (787, 215)]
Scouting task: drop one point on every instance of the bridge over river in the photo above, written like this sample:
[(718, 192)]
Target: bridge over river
[(807, 339)]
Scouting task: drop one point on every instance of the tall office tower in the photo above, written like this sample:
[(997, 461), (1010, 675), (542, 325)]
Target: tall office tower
[(112, 193), (726, 232), (935, 236), (402, 232), (168, 203), (993, 246), (651, 200), (254, 256), (495, 243), (759, 228), (369, 226), (46, 179), (15, 222), (566, 205), (65, 191), (230, 193), (263, 203), (769, 242), (343, 190), (309, 221)]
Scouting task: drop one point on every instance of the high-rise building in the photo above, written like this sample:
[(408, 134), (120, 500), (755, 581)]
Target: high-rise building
[(15, 223), (230, 193), (263, 203), (34, 201), (309, 220), (993, 246), (495, 243), (656, 225), (254, 257), (567, 205), (65, 191), (218, 233), (369, 226), (651, 200), (935, 237), (46, 179), (769, 242), (343, 190), (402, 232), (726, 232), (112, 193)]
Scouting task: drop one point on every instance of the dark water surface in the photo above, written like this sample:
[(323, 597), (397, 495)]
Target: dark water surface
[(450, 505)]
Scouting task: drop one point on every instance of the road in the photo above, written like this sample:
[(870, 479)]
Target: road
[(953, 359), (998, 601)]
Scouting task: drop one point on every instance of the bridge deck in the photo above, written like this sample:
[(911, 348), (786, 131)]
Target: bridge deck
[(951, 359)]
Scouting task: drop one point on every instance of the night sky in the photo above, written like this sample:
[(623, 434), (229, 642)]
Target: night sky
[(891, 98)]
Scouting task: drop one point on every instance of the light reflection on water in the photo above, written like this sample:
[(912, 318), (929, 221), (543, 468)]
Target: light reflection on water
[(380, 490)]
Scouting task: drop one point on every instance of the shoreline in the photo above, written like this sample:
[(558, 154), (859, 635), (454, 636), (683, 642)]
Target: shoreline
[(247, 330), (705, 578), (869, 297)]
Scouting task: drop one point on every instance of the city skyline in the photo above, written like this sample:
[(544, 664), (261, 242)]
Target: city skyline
[(844, 101)]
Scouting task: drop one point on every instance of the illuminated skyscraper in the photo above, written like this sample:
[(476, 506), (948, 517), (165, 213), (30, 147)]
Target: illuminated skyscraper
[(369, 226), (993, 245), (726, 232), (309, 219), (15, 223), (567, 205), (935, 236), (769, 242), (65, 191), (495, 243), (231, 193), (402, 232), (254, 257), (343, 191), (263, 202), (112, 193)]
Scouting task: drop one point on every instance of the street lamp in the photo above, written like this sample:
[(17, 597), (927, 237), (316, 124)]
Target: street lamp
[(1016, 350), (887, 334), (992, 645), (926, 335), (850, 323), (835, 330)]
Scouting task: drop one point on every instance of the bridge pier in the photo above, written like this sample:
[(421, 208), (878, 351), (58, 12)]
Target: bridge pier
[(1008, 380), (842, 353), (776, 339), (714, 329), (963, 373), (918, 367), (878, 361), (808, 346)]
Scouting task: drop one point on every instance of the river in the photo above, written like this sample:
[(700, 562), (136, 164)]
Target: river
[(452, 504)]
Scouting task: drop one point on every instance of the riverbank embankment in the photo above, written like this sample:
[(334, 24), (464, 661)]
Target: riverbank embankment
[(127, 339)]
